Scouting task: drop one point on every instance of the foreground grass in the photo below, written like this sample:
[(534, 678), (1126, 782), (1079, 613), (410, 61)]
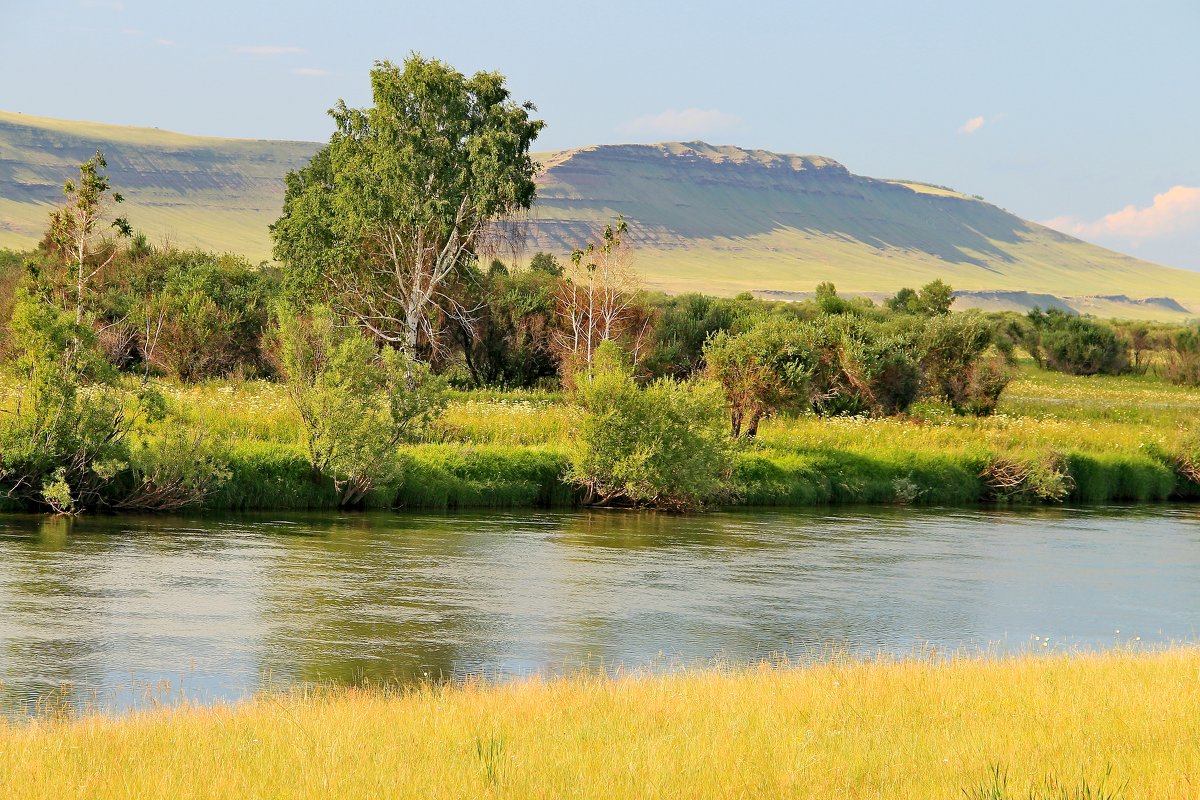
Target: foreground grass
[(895, 729)]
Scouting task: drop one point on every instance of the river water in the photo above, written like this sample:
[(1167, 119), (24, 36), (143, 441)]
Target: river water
[(115, 612)]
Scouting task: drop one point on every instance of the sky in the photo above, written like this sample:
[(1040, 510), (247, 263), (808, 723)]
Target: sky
[(1081, 115)]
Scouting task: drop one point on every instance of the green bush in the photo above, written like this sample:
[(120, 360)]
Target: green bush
[(1078, 345), (955, 364), (202, 315), (861, 367), (664, 446), (762, 371), (65, 440), (357, 404)]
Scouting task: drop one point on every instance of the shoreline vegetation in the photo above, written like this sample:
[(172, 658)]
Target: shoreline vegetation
[(383, 362), (1109, 724)]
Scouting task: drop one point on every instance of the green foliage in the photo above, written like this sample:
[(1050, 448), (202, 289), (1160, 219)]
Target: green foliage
[(508, 339), (684, 324), (934, 299), (762, 371), (861, 367), (664, 445), (547, 263), (1182, 363), (65, 438), (173, 468), (954, 363), (1078, 345), (828, 301), (202, 316), (357, 404), (384, 216)]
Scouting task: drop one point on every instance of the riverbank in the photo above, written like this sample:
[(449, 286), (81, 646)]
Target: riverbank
[(917, 728), (1056, 439)]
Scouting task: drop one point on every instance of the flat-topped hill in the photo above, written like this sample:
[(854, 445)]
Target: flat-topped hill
[(718, 219)]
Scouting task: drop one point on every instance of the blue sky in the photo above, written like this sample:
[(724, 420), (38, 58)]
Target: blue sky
[(1079, 113)]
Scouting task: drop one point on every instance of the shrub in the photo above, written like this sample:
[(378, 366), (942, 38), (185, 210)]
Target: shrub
[(955, 365), (206, 319), (861, 367), (357, 404), (1079, 346), (763, 371), (663, 446), (1182, 365), (66, 437)]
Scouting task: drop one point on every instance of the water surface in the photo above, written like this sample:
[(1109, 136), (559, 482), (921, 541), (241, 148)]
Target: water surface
[(120, 609)]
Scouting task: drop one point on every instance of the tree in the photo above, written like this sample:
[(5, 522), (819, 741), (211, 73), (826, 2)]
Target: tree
[(77, 228), (663, 446), (763, 370), (547, 263), (405, 194), (597, 300), (935, 298)]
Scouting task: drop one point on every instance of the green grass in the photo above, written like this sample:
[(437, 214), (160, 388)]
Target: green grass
[(497, 449), (1112, 435)]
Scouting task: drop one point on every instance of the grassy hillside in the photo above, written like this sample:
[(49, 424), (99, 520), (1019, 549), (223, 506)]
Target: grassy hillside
[(716, 219), (724, 220), (219, 194)]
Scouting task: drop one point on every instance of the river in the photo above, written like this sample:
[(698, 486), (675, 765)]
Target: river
[(117, 611)]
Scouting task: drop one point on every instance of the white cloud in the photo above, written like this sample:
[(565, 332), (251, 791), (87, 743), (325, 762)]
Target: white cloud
[(165, 42), (310, 72), (689, 122), (1176, 210), (269, 50), (972, 125), (131, 32), (111, 5)]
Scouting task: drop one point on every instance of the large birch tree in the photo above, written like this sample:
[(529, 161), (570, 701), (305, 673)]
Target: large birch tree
[(405, 194)]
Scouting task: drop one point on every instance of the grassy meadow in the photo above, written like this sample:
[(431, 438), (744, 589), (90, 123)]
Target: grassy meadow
[(1112, 436), (1121, 723)]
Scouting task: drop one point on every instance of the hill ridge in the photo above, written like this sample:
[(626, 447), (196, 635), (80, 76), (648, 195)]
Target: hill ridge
[(715, 218)]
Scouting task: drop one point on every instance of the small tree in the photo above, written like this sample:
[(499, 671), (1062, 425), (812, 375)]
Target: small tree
[(357, 404), (405, 195), (764, 370), (1182, 364), (77, 228), (596, 300), (664, 446)]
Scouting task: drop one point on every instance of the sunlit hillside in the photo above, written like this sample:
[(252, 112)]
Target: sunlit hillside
[(721, 220), (219, 194)]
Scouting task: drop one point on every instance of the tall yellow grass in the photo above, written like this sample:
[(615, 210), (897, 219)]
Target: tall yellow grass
[(879, 729)]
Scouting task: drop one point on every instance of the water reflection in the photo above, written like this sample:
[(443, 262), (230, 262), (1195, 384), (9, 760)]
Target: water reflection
[(215, 607)]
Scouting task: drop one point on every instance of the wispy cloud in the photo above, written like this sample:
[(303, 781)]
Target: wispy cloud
[(1176, 210), (131, 31), (683, 123), (310, 72), (111, 5), (972, 125), (165, 42), (268, 50)]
